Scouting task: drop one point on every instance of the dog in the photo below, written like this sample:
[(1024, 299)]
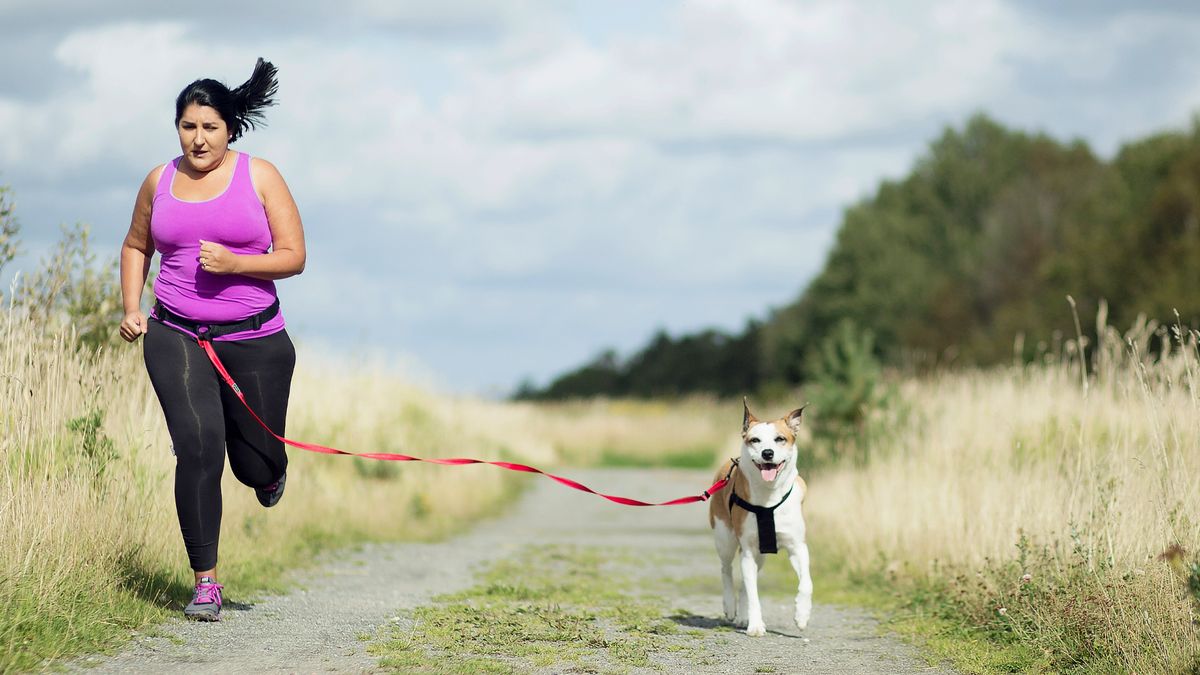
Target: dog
[(759, 511)]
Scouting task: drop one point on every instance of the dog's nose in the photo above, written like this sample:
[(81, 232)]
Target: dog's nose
[(768, 455)]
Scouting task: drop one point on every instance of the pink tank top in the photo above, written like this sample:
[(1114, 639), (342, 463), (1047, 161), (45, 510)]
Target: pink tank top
[(236, 219)]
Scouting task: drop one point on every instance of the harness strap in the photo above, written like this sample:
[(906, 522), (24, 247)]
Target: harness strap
[(764, 516), (206, 345)]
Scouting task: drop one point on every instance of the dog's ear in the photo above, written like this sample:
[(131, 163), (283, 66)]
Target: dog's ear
[(793, 419), (748, 418)]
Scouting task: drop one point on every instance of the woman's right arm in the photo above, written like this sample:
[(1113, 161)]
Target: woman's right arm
[(136, 253)]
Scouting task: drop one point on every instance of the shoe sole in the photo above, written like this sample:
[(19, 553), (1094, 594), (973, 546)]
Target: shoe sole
[(203, 616)]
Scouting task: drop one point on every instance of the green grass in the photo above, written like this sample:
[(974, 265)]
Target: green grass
[(566, 608), (1025, 614), (922, 613), (684, 458), (137, 596)]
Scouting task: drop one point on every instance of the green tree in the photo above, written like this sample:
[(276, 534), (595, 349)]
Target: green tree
[(980, 243), (600, 377), (846, 388), (1165, 232)]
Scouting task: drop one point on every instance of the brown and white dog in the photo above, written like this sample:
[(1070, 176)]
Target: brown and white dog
[(764, 479)]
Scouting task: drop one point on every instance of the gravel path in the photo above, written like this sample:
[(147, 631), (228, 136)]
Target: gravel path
[(323, 625)]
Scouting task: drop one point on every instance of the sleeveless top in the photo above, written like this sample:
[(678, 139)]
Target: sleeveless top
[(236, 219)]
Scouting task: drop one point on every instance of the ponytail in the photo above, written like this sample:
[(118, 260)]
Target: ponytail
[(253, 96), (241, 108)]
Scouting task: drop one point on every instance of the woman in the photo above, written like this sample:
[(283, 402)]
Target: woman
[(226, 227)]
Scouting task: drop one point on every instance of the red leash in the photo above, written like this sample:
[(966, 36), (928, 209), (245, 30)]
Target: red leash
[(451, 461)]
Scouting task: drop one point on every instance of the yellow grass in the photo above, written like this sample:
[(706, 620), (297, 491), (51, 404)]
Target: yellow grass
[(687, 432), (1099, 475), (90, 546), (1079, 482)]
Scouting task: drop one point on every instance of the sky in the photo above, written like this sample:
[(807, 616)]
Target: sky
[(494, 192)]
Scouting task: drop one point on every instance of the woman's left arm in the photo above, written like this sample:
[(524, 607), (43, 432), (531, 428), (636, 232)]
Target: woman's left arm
[(287, 254)]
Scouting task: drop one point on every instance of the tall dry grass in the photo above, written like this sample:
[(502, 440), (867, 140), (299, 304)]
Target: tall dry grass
[(1030, 501), (1035, 501), (89, 541), (690, 432), (1079, 477)]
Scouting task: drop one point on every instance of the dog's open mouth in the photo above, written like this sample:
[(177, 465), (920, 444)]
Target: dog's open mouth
[(768, 470)]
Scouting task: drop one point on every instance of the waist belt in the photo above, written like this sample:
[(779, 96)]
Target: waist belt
[(208, 331), (765, 516)]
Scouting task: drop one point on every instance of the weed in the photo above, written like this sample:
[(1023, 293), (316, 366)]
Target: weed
[(566, 609), (97, 450)]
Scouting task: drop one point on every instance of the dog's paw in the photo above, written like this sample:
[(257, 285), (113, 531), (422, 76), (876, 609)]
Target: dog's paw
[(731, 612), (756, 630), (803, 612)]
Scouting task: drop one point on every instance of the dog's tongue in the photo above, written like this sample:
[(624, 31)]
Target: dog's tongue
[(769, 474)]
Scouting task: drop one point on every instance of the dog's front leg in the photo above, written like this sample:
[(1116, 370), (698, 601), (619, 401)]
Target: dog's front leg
[(750, 566), (727, 547), (728, 601), (798, 556)]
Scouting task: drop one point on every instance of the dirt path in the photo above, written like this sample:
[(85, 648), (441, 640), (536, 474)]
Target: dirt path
[(323, 625)]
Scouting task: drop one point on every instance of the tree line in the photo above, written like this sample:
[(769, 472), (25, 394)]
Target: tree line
[(967, 260)]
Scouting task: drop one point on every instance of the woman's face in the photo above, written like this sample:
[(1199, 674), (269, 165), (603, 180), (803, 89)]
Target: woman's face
[(203, 137)]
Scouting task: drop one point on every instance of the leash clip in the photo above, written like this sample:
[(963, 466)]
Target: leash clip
[(732, 466)]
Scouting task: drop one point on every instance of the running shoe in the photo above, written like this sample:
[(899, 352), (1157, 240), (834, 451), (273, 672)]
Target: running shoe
[(206, 603), (270, 495)]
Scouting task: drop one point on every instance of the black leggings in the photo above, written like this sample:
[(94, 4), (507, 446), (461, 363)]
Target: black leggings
[(205, 418)]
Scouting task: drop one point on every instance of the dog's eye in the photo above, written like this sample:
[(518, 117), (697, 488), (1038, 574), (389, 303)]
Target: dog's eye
[(780, 439), (755, 440)]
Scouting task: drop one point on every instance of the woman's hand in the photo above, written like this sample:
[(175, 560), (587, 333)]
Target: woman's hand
[(216, 259), (133, 326)]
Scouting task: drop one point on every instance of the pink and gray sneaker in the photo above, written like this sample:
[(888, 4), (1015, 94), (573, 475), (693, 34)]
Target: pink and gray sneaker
[(270, 495), (206, 603)]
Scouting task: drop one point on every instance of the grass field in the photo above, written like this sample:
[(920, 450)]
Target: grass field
[(1033, 504), (89, 542), (1010, 520), (686, 433)]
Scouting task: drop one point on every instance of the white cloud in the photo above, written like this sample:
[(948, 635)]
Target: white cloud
[(487, 165), (779, 70)]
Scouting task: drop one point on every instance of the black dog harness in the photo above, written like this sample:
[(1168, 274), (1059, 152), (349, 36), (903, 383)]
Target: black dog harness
[(209, 331), (765, 516)]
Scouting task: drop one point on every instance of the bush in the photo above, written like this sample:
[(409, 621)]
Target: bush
[(74, 285), (846, 388)]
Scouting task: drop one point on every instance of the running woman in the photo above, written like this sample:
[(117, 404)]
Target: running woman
[(226, 227)]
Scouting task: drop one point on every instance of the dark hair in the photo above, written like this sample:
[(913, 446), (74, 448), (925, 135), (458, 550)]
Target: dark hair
[(241, 108)]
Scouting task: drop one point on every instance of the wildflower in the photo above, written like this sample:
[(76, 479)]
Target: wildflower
[(1026, 578), (1003, 611)]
